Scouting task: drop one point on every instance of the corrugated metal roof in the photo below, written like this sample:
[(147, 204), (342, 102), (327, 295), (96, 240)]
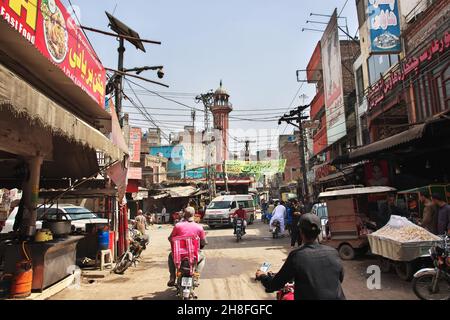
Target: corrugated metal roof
[(356, 191), (410, 135)]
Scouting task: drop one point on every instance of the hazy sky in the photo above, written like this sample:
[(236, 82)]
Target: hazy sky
[(255, 46)]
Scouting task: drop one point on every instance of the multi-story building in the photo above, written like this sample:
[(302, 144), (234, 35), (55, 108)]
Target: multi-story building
[(289, 150), (324, 150), (403, 97)]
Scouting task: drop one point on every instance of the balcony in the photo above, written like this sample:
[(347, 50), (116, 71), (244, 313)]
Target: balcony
[(317, 104)]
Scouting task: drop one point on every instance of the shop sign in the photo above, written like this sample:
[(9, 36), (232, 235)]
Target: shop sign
[(407, 67), (48, 26), (333, 82), (384, 26), (324, 171)]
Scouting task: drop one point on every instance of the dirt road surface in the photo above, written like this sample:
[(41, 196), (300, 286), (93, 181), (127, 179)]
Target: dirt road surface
[(229, 271)]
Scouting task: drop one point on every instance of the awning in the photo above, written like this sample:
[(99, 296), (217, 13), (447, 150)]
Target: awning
[(177, 192), (390, 143), (75, 142)]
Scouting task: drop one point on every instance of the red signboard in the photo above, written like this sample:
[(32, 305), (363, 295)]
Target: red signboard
[(49, 27), (135, 144)]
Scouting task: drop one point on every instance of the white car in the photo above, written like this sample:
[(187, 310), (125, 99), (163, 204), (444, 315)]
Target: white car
[(79, 217)]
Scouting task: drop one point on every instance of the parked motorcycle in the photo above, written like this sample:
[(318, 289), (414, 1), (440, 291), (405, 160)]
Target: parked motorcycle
[(138, 244), (276, 225), (434, 284)]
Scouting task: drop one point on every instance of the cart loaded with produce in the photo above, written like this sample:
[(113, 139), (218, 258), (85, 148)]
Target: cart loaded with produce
[(403, 245)]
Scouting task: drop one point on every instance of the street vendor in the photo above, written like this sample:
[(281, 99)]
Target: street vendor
[(388, 209)]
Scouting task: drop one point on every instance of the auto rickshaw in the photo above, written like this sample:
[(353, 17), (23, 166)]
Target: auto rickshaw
[(351, 212)]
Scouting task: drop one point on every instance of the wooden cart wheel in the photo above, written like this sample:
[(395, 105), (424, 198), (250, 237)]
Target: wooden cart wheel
[(404, 270), (346, 252), (385, 265)]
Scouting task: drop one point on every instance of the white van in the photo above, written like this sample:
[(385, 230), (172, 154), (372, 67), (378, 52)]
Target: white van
[(221, 208)]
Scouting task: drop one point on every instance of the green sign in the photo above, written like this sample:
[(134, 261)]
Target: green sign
[(256, 168)]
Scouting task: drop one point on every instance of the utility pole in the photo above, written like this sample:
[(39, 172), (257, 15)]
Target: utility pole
[(298, 117), (225, 176), (207, 100), (247, 149)]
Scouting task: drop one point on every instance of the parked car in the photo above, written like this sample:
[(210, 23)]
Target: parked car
[(79, 217)]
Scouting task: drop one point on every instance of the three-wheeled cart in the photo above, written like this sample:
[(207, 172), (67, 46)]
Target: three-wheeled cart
[(349, 220)]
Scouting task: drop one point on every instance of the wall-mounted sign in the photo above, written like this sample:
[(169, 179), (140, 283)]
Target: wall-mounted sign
[(333, 82), (48, 26), (408, 66), (384, 26)]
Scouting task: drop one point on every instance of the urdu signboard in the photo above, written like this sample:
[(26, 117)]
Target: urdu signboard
[(333, 82), (48, 26), (384, 26)]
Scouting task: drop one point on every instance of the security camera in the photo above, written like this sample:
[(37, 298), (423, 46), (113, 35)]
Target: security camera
[(161, 73)]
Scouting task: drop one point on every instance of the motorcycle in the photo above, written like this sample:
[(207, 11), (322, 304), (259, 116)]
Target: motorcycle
[(187, 281), (285, 294), (138, 244), (276, 225), (186, 255), (239, 229), (434, 284)]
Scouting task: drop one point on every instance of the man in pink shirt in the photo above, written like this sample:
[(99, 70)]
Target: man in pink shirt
[(187, 228)]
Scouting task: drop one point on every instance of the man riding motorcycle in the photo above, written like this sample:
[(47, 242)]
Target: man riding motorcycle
[(316, 268), (240, 214), (187, 228)]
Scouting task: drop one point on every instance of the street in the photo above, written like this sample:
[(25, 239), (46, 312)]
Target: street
[(229, 272)]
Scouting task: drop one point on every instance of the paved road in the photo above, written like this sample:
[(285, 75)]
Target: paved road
[(228, 274)]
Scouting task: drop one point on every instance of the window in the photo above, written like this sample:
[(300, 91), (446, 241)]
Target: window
[(360, 84), (379, 64)]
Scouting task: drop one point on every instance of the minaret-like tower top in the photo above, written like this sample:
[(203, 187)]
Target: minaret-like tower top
[(221, 110)]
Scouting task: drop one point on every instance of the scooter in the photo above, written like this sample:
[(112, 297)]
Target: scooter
[(434, 284), (276, 225), (285, 294)]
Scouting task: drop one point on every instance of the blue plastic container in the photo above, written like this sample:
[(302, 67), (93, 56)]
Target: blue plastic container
[(103, 240)]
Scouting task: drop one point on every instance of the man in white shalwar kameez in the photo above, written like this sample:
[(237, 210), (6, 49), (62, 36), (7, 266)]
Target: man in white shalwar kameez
[(279, 214)]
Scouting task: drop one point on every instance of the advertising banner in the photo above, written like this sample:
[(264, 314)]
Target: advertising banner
[(257, 168), (48, 26), (135, 145), (384, 26), (333, 82)]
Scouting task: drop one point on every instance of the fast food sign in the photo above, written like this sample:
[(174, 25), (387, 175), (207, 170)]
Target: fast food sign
[(384, 26), (48, 26)]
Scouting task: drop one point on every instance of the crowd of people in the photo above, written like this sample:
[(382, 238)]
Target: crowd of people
[(288, 214)]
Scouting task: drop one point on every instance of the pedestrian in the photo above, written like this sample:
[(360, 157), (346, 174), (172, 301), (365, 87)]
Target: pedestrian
[(141, 221), (289, 217), (430, 213), (443, 225), (387, 210), (295, 230), (264, 207), (316, 269)]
